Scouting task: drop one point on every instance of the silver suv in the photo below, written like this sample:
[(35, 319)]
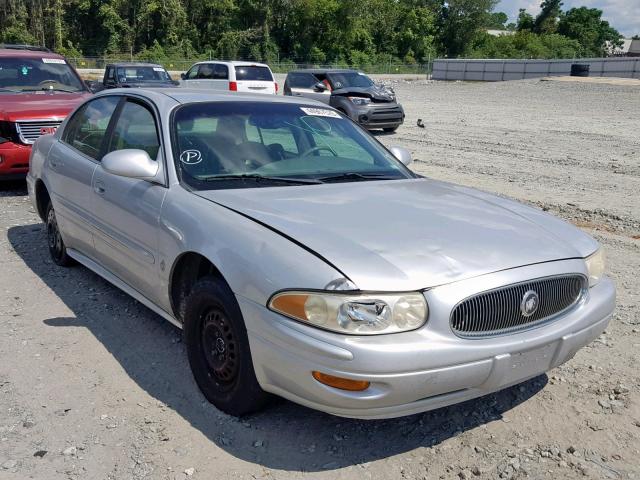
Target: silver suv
[(350, 91)]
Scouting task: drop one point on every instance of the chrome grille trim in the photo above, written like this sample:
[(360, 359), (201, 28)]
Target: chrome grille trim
[(30, 130), (497, 312)]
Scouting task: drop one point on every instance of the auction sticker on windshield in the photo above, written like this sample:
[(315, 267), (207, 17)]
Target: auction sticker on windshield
[(320, 112), (54, 60)]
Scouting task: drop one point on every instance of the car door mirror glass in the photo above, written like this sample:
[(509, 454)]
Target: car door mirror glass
[(183, 76), (131, 163), (319, 87), (401, 154)]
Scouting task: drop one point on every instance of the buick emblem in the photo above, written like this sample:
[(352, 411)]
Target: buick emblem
[(530, 303)]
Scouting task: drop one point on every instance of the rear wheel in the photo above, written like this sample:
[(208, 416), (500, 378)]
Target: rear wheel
[(218, 349), (57, 248)]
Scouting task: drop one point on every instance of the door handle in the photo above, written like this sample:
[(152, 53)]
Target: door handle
[(98, 187)]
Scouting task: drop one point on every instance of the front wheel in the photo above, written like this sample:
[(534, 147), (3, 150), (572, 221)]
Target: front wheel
[(218, 349), (390, 129), (57, 248)]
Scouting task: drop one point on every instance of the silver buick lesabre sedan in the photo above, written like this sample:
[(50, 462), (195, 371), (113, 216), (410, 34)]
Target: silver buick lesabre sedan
[(304, 259)]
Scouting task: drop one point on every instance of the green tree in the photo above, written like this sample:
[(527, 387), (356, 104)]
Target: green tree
[(525, 21), (461, 21), (547, 19), (586, 26), (497, 20)]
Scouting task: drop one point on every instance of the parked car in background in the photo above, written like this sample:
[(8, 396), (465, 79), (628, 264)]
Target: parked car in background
[(38, 89), (304, 259), (350, 91), (231, 76), (134, 75)]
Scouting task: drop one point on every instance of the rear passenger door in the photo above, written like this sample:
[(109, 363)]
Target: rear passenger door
[(71, 163), (128, 209)]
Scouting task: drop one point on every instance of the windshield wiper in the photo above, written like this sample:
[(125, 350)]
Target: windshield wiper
[(260, 178), (47, 89), (357, 177)]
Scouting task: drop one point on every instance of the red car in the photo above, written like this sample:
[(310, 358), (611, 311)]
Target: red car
[(38, 89)]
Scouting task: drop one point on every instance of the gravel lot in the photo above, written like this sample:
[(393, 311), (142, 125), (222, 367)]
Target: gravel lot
[(95, 386)]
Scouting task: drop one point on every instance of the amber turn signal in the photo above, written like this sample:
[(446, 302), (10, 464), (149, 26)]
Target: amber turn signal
[(341, 383)]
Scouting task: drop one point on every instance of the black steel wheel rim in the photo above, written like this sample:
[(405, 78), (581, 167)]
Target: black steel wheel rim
[(219, 347), (53, 235)]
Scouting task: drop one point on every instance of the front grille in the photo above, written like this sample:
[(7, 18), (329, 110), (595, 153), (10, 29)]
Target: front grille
[(500, 311), (30, 130)]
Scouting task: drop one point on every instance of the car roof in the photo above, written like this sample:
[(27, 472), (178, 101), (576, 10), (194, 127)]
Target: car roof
[(24, 53), (194, 95), (134, 64), (235, 63), (325, 70)]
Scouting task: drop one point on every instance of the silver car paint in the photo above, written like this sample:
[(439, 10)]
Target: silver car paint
[(451, 241), (404, 235)]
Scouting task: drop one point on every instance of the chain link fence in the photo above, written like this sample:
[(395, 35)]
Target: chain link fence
[(182, 65)]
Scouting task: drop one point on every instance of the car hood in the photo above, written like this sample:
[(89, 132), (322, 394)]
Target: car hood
[(376, 92), (409, 234), (39, 105)]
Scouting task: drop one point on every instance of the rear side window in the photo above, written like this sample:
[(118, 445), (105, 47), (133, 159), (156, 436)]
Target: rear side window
[(301, 80), (86, 129), (254, 73), (135, 128)]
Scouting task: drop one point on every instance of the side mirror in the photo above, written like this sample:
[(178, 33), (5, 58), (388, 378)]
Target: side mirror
[(319, 87), (401, 154), (183, 76), (93, 86), (130, 163)]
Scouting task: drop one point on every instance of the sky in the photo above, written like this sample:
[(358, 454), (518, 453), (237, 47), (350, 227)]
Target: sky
[(623, 15)]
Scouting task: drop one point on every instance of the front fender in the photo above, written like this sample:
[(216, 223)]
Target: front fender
[(254, 260)]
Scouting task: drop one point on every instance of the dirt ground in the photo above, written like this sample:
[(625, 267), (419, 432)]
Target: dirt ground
[(95, 386)]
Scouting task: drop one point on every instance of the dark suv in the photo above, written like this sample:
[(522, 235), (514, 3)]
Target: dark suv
[(38, 89), (350, 91), (142, 75)]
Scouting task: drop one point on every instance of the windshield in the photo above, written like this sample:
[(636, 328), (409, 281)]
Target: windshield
[(139, 74), (32, 74), (349, 80), (243, 144), (252, 72)]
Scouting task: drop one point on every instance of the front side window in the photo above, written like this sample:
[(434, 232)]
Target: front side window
[(86, 129), (222, 144), (302, 80), (18, 75), (135, 128), (193, 72)]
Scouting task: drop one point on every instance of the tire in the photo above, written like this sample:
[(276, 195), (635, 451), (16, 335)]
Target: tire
[(57, 248), (391, 129), (218, 349)]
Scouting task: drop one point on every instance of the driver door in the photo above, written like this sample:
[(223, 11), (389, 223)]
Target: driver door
[(302, 84), (127, 209)]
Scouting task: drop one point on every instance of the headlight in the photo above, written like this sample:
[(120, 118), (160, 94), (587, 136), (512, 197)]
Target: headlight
[(360, 100), (595, 266), (360, 314)]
